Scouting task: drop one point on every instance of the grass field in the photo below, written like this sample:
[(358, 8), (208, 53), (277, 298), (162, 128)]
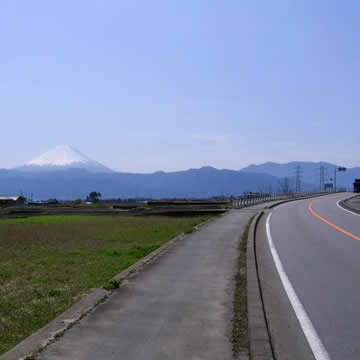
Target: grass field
[(47, 263)]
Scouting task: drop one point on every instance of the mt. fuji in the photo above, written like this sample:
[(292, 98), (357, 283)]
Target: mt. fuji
[(64, 157)]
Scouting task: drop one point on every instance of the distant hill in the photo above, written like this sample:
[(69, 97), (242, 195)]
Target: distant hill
[(310, 172), (77, 183)]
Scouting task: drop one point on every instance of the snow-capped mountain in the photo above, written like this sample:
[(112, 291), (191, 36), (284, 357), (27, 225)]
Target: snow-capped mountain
[(63, 157)]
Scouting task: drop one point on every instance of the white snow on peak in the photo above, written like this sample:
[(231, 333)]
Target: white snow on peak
[(62, 155)]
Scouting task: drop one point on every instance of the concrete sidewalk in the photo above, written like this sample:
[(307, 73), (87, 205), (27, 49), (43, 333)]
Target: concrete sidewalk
[(178, 307)]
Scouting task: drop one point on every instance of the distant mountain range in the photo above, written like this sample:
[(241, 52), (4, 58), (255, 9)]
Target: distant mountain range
[(77, 183), (66, 173)]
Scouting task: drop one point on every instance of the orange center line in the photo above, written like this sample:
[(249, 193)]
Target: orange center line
[(332, 224)]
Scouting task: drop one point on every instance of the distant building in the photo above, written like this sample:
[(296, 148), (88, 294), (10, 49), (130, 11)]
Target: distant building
[(12, 200), (357, 185)]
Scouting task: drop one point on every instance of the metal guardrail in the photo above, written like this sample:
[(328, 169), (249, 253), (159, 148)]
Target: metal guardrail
[(243, 201)]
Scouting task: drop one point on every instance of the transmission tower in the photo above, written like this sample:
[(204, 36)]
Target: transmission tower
[(326, 175), (298, 176), (322, 178)]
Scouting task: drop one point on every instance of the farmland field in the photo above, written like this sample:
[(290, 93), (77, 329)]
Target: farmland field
[(47, 263)]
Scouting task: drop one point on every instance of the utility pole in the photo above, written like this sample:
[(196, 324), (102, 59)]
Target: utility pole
[(298, 173)]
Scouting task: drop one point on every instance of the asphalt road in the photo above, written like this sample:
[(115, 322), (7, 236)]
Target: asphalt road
[(178, 307), (321, 258)]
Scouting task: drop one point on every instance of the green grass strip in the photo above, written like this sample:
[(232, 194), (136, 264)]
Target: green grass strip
[(240, 338)]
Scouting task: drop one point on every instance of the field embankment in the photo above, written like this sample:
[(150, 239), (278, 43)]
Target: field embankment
[(48, 263)]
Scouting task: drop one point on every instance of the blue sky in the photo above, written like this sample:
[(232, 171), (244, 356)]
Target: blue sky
[(166, 85)]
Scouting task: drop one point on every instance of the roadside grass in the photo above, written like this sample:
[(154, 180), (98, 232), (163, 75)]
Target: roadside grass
[(240, 338), (48, 263)]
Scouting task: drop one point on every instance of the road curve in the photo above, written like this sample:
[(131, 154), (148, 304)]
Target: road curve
[(318, 246)]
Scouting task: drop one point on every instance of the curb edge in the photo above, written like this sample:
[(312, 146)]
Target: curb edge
[(259, 338), (343, 203)]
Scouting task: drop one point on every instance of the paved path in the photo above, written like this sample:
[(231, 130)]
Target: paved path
[(178, 307), (322, 264)]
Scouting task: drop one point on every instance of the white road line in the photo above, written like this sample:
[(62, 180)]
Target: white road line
[(346, 209), (311, 335)]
